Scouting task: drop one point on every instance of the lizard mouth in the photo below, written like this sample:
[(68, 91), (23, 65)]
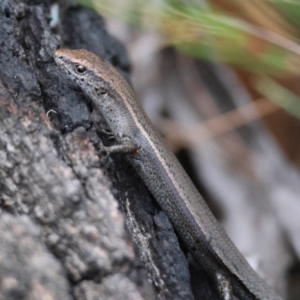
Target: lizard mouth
[(58, 59)]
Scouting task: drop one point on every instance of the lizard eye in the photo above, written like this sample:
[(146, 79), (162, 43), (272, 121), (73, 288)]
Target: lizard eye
[(80, 69)]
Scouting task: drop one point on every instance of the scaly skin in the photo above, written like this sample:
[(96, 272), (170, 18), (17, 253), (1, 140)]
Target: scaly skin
[(158, 167)]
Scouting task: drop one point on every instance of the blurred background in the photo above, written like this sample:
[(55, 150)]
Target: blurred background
[(220, 80)]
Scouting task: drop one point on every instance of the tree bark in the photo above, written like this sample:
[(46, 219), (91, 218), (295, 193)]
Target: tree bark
[(63, 235)]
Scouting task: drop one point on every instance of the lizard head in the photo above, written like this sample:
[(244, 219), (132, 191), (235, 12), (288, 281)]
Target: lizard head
[(99, 80), (95, 76), (85, 68)]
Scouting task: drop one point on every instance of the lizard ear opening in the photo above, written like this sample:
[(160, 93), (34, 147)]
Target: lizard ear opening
[(80, 69)]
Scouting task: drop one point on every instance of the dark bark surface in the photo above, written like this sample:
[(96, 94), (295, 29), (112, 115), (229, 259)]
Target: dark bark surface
[(62, 233)]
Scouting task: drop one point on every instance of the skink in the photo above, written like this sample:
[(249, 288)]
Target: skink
[(163, 175)]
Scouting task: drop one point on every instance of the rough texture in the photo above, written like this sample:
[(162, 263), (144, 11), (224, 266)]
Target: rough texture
[(64, 193), (27, 269), (114, 287), (51, 181)]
